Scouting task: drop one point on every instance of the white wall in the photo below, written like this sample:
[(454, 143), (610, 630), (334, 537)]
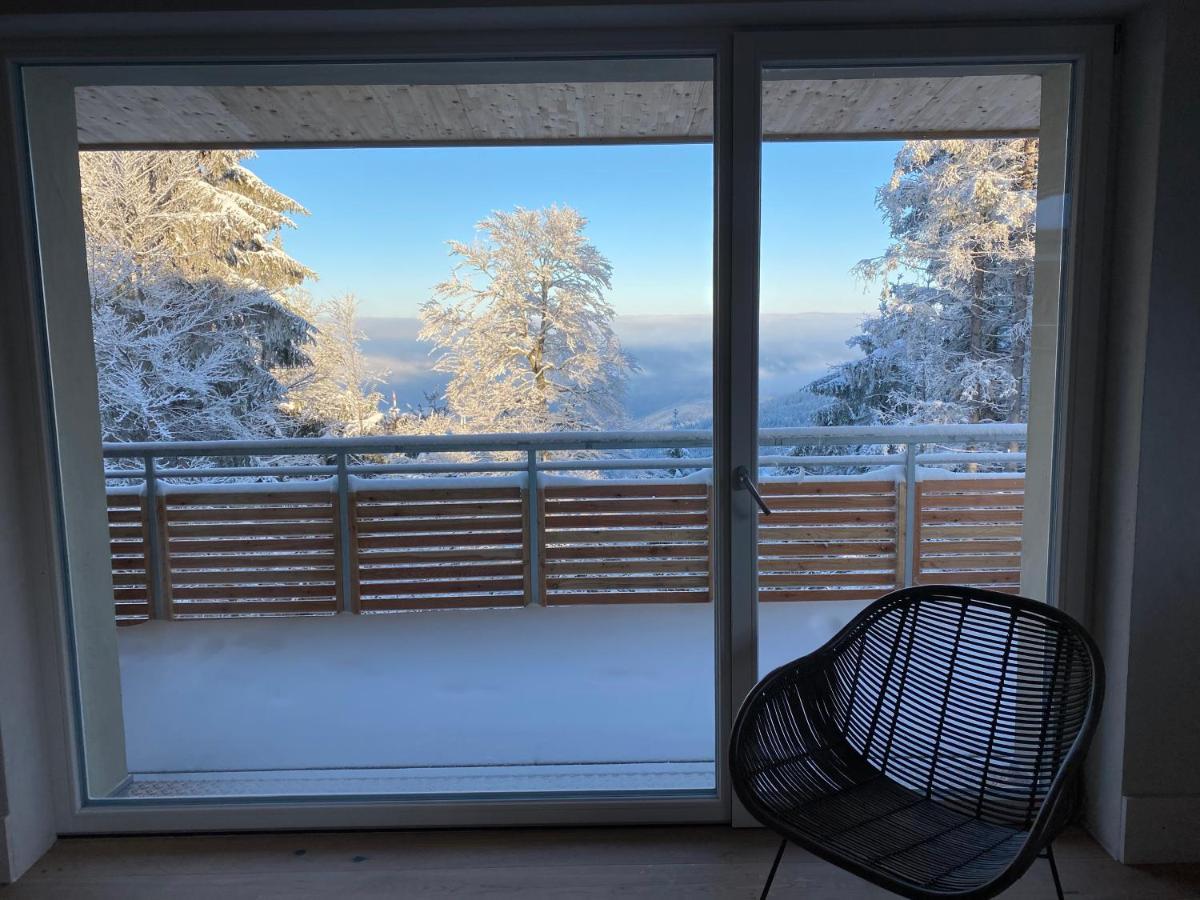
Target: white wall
[(26, 809), (1162, 743), (1144, 784)]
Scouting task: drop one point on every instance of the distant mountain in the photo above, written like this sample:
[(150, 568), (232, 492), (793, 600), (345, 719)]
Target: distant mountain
[(674, 354), (790, 410)]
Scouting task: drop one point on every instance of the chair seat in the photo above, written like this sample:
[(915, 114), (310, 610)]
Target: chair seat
[(869, 823)]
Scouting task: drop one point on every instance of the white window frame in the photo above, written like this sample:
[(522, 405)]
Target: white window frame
[(73, 498)]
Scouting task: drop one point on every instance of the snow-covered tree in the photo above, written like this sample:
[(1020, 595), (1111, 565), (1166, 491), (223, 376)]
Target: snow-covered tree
[(199, 212), (337, 393), (179, 358), (950, 341), (524, 328), (189, 281)]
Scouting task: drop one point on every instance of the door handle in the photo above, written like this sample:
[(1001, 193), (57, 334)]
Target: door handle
[(743, 482)]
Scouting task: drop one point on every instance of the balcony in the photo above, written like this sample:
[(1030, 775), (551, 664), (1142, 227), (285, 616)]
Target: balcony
[(344, 535), (544, 579)]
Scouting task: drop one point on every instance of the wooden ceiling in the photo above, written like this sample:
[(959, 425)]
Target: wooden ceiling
[(592, 111)]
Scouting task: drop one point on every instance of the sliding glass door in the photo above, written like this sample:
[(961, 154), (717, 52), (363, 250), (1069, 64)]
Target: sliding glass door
[(906, 281), (402, 379), (626, 377)]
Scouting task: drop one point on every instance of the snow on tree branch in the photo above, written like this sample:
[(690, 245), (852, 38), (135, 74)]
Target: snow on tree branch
[(524, 327)]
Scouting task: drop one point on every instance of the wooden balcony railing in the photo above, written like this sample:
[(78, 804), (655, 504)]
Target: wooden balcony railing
[(385, 544)]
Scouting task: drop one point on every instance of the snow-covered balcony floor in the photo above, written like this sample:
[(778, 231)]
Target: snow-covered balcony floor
[(569, 699)]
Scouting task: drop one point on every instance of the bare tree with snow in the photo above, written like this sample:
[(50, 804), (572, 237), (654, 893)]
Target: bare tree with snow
[(337, 393), (524, 327)]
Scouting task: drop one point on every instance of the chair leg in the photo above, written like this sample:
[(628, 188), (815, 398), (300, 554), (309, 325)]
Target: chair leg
[(774, 867), (1054, 870)]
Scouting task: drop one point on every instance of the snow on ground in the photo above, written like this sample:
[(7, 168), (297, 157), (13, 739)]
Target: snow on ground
[(531, 686)]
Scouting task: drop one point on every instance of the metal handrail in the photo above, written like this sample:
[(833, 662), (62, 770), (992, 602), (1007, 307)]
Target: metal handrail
[(581, 440)]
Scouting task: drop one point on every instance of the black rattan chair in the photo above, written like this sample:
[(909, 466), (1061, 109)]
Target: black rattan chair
[(931, 747)]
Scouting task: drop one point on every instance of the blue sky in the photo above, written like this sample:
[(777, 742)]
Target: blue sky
[(380, 218)]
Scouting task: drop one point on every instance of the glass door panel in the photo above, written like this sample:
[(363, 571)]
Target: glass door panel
[(440, 521), (908, 314)]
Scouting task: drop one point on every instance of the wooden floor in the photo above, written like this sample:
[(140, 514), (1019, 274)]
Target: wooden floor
[(700, 862)]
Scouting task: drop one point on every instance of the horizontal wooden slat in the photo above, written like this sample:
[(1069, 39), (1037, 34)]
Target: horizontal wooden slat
[(825, 533), (181, 562), (385, 542), (650, 505), (623, 491), (824, 548), (254, 608), (618, 582), (601, 598), (243, 529), (798, 579), (247, 544), (426, 495), (828, 564), (697, 550), (254, 576), (124, 577), (983, 516), (458, 586), (776, 488), (450, 525), (632, 565), (255, 514), (974, 501), (833, 501), (246, 498), (615, 520), (769, 523), (970, 546), (970, 562), (390, 604), (969, 578), (619, 535), (252, 591), (407, 510), (970, 531), (453, 570), (409, 554), (123, 516), (971, 485), (120, 530), (822, 594)]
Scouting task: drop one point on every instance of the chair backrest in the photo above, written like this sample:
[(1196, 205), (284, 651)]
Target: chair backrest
[(980, 700)]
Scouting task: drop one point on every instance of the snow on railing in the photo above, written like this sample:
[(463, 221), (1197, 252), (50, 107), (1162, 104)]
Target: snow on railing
[(188, 547)]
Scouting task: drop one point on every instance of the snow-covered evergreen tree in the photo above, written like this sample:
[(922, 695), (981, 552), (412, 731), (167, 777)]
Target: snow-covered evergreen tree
[(199, 212), (524, 328), (950, 341), (337, 393), (179, 358), (189, 281)]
